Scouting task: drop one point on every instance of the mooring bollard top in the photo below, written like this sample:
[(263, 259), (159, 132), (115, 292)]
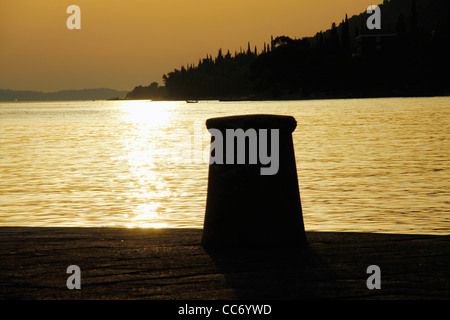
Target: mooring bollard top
[(255, 121)]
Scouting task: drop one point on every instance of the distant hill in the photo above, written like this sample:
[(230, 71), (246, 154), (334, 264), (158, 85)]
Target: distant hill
[(407, 57), (84, 94)]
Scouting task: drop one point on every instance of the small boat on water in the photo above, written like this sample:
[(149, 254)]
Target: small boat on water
[(191, 101)]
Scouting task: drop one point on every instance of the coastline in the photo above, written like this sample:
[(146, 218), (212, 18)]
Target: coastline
[(167, 264), (316, 96), (312, 97)]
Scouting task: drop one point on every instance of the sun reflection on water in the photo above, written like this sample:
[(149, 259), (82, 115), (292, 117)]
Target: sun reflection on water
[(144, 151)]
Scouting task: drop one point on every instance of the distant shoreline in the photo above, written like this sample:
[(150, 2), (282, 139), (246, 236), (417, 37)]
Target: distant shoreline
[(8, 95), (260, 98)]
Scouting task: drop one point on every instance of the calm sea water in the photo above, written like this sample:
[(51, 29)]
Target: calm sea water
[(367, 165)]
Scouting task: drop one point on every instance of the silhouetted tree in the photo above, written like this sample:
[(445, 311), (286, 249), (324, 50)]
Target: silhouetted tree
[(281, 41), (249, 52), (345, 35), (153, 91), (219, 55), (334, 38)]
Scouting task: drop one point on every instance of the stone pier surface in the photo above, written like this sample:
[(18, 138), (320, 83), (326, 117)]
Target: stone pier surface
[(163, 264)]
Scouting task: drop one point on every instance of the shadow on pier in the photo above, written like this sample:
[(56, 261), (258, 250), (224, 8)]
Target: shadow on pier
[(275, 273), (333, 265)]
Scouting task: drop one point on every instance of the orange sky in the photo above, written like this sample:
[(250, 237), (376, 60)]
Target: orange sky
[(122, 44)]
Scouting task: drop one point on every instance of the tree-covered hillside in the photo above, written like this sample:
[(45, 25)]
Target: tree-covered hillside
[(407, 57)]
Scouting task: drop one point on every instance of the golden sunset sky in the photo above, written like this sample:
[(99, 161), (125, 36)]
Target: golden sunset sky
[(122, 44)]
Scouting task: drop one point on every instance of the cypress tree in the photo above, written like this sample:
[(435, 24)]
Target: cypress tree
[(345, 35)]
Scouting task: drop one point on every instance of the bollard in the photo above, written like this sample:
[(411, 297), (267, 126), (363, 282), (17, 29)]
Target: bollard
[(250, 204)]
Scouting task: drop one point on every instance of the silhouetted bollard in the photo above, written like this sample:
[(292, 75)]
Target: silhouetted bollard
[(252, 203)]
